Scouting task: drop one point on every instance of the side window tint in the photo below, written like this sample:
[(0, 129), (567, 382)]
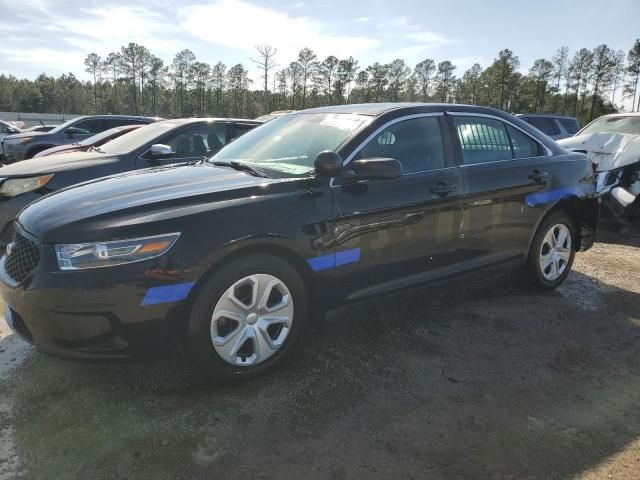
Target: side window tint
[(241, 129), (523, 145), (570, 125), (119, 122), (90, 126), (415, 143), (482, 140), (197, 141), (545, 125)]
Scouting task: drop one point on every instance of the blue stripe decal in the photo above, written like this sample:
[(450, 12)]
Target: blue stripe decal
[(347, 256), (332, 260), (543, 198), (166, 294)]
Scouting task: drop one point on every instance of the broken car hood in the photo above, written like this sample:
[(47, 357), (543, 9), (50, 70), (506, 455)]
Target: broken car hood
[(609, 150)]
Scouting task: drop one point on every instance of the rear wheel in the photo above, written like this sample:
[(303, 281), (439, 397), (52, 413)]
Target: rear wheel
[(552, 252), (247, 318)]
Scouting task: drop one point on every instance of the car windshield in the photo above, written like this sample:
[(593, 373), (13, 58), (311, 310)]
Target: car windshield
[(624, 124), (135, 139), (290, 144)]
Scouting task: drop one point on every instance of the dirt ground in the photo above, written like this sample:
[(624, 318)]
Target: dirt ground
[(490, 382)]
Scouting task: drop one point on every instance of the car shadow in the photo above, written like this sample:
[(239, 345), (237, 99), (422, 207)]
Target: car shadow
[(487, 380)]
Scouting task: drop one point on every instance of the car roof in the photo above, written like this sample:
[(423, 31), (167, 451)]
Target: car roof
[(184, 121), (628, 114), (124, 117), (545, 115), (379, 109)]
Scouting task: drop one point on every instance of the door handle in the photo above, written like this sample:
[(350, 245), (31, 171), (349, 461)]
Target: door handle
[(538, 176), (443, 189)]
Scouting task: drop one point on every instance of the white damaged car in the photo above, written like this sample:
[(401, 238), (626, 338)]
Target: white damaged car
[(612, 142)]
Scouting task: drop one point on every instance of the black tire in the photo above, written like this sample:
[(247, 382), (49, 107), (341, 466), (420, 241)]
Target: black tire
[(534, 274), (198, 335)]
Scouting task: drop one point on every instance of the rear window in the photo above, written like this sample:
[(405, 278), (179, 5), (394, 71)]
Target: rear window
[(544, 125), (570, 125)]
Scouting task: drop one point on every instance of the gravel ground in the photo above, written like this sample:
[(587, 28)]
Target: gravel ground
[(496, 382)]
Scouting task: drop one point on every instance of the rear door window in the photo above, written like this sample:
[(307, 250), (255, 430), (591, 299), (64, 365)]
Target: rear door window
[(523, 145), (482, 140), (570, 125), (545, 125)]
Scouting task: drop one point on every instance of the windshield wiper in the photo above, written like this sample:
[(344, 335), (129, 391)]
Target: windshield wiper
[(243, 167), (96, 149)]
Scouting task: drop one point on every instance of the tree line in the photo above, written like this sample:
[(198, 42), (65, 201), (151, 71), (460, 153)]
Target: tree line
[(585, 84)]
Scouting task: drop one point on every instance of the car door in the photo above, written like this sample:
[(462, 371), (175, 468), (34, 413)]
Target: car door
[(391, 234), (189, 143), (504, 169)]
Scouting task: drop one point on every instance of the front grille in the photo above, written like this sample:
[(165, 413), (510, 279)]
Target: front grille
[(24, 257)]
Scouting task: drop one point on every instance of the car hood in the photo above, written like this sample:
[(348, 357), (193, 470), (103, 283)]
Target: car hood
[(609, 150), (138, 197), (72, 147), (24, 134), (57, 163)]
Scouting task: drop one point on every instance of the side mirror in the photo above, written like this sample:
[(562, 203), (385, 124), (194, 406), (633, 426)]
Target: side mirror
[(160, 151), (373, 169), (327, 164)]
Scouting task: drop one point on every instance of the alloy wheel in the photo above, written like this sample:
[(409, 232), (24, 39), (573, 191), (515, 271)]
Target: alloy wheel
[(252, 320), (555, 252)]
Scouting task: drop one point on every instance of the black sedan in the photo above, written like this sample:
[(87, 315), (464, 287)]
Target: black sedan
[(170, 141), (233, 255)]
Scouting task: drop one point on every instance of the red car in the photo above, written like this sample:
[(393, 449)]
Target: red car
[(88, 143)]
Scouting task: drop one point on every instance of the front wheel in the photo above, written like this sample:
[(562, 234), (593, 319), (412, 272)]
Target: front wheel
[(552, 252), (247, 317)]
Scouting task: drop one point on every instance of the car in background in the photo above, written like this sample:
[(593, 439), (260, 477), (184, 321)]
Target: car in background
[(272, 115), (88, 143), (612, 142), (26, 144), (160, 143), (7, 129), (232, 256), (554, 126), (41, 128)]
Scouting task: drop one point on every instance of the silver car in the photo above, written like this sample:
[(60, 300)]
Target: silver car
[(24, 145)]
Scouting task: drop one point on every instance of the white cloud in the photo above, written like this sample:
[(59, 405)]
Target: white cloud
[(63, 42), (431, 38), (241, 25)]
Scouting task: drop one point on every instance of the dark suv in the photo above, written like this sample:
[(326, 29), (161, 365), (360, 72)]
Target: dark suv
[(26, 144), (232, 255), (161, 143)]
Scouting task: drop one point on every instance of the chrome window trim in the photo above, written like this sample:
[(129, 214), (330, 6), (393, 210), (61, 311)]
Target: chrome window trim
[(378, 130), (547, 150), (386, 125)]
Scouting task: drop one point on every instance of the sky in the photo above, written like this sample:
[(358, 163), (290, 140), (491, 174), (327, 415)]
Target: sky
[(54, 36)]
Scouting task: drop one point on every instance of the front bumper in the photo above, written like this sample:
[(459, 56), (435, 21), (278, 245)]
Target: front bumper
[(93, 314), (13, 152), (9, 209)]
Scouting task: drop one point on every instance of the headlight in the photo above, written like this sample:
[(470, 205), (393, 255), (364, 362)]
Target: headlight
[(17, 186), (78, 256)]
